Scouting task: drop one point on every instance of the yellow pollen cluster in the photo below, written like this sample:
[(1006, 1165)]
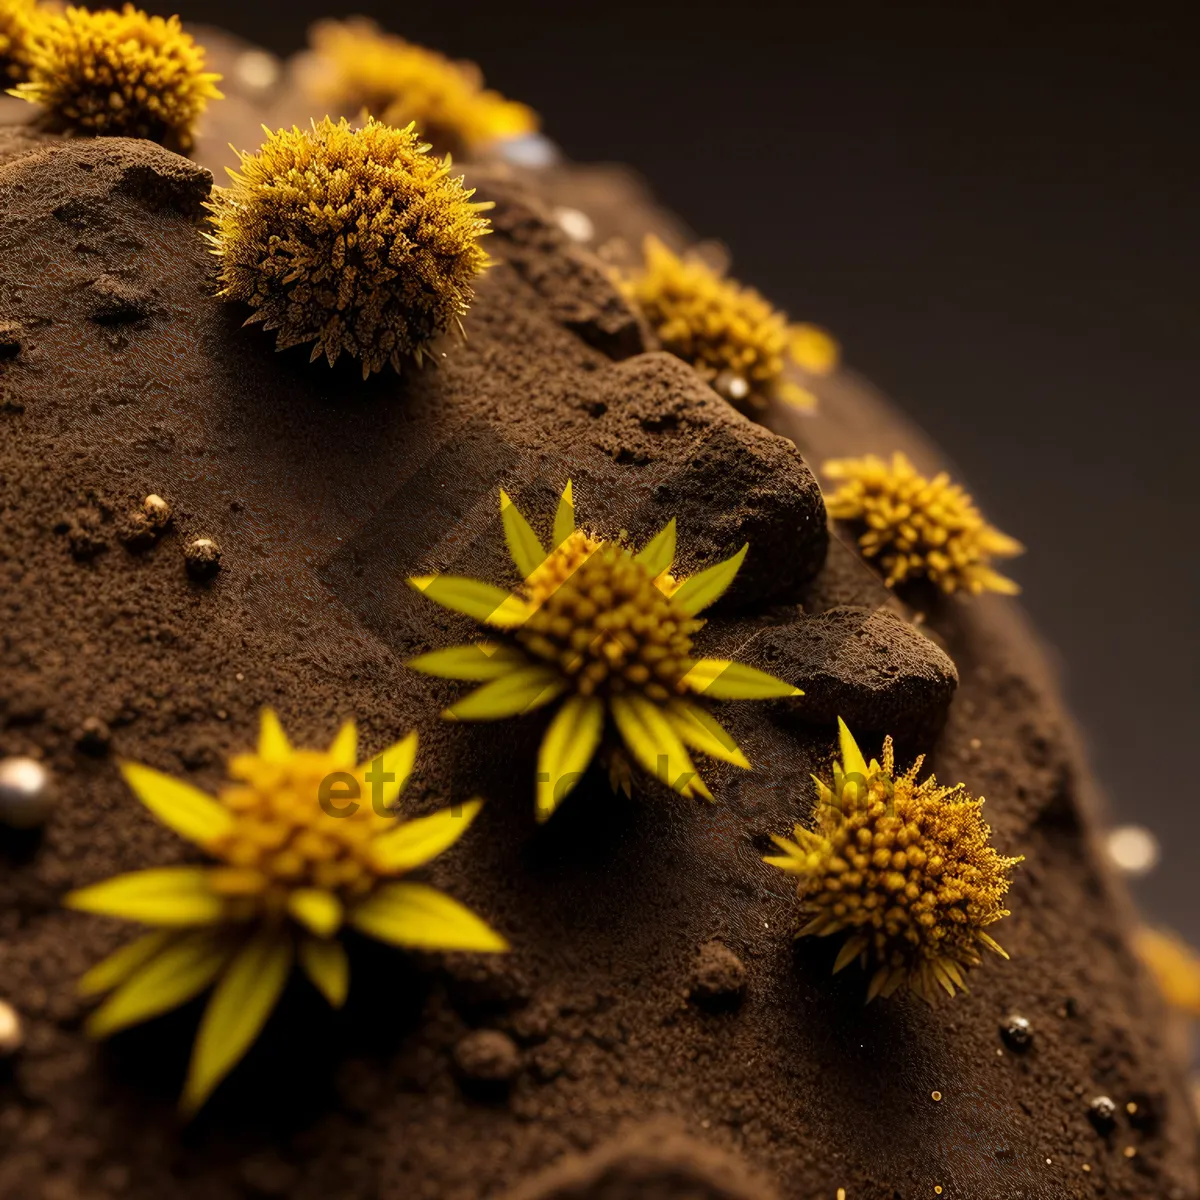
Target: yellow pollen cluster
[(729, 333), (919, 527), (358, 240), (904, 869), (119, 74), (1175, 967), (359, 67), (18, 20), (282, 838), (605, 622)]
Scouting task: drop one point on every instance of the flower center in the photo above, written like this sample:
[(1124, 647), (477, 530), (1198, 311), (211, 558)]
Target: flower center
[(287, 833), (605, 623)]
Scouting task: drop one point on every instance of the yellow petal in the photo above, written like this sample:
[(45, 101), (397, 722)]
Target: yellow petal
[(527, 552), (564, 517), (511, 695), (479, 662), (993, 581), (700, 730), (698, 592), (158, 896), (474, 598), (853, 762), (180, 806), (411, 914), (396, 761), (118, 967), (344, 748), (317, 910), (567, 748), (326, 964), (415, 842), (273, 744), (181, 970), (654, 744), (659, 553), (249, 989), (721, 679)]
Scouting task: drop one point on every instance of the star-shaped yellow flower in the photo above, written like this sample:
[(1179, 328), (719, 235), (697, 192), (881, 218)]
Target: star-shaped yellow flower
[(612, 631), (305, 843)]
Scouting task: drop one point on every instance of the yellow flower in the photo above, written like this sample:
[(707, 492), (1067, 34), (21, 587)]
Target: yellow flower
[(358, 240), (305, 843), (611, 630), (729, 333), (1175, 967), (119, 74), (919, 527), (18, 21), (359, 67), (904, 869)]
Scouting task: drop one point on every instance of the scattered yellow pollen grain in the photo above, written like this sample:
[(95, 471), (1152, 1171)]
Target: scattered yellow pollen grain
[(1130, 1151), (936, 1095), (937, 1191), (841, 1194), (1131, 1108), (1087, 1166), (918, 527)]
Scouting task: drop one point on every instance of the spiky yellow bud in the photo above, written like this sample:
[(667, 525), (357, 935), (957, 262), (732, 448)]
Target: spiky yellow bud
[(119, 74), (919, 527), (903, 869), (729, 333), (356, 67), (358, 240)]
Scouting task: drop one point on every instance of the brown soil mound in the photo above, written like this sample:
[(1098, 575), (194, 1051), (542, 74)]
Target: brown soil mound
[(122, 376)]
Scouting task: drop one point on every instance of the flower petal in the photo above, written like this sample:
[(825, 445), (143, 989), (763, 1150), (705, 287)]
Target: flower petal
[(397, 760), (474, 598), (853, 762), (411, 914), (564, 517), (319, 911), (181, 970), (698, 592), (187, 810), (654, 744), (700, 730), (273, 744), (413, 843), (515, 693), (344, 747), (659, 553), (720, 679), (480, 662), (158, 896), (326, 964), (121, 964), (249, 989), (527, 552), (567, 748)]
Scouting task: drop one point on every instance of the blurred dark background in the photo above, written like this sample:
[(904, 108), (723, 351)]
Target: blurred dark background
[(995, 212)]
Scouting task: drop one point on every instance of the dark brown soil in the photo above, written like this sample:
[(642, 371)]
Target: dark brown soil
[(323, 494)]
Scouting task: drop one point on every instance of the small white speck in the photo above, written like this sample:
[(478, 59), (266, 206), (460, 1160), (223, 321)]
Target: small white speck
[(257, 69), (1133, 849), (575, 224)]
